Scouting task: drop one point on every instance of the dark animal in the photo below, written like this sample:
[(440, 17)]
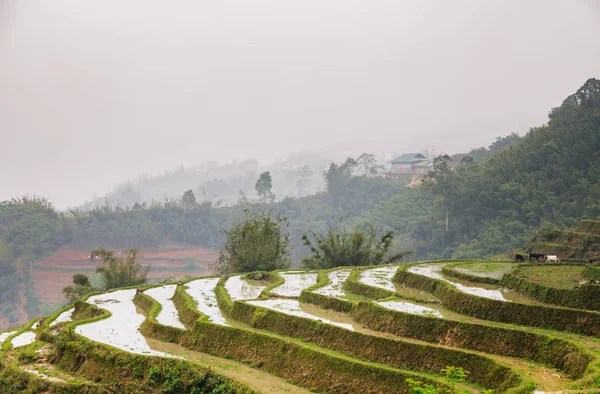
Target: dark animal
[(518, 257), (537, 256)]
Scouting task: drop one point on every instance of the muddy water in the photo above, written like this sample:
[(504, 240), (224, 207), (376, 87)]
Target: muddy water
[(292, 307), (435, 271), (239, 289), (121, 328), (23, 339), (168, 315), (334, 288), (63, 317), (261, 381), (294, 284), (379, 277), (203, 292)]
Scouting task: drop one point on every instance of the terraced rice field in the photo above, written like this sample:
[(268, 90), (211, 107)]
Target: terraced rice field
[(348, 330)]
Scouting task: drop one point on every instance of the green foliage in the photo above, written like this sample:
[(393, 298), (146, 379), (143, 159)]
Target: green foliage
[(189, 199), (120, 271), (258, 243), (263, 187), (80, 287), (456, 374), (418, 387), (344, 247)]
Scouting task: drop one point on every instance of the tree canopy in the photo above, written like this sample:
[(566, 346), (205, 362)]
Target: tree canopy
[(259, 242)]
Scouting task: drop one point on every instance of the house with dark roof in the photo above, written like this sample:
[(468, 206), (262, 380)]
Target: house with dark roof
[(410, 163)]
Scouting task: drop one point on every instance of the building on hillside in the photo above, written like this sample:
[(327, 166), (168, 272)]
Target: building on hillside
[(410, 163)]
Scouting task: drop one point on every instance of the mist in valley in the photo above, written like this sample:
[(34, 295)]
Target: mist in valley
[(97, 94)]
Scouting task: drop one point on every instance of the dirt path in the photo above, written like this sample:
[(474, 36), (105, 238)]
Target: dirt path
[(255, 378)]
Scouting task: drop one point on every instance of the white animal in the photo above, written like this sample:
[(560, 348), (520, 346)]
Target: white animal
[(553, 258)]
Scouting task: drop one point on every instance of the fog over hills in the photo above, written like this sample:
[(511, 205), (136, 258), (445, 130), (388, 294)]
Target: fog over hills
[(96, 93)]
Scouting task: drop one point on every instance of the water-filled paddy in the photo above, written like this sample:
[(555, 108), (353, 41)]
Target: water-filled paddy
[(292, 307), (409, 307), (66, 316), (334, 288), (380, 277), (168, 315), (203, 292), (434, 271), (121, 328), (23, 339), (294, 284), (239, 289)]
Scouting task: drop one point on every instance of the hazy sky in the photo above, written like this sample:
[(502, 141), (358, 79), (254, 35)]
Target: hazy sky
[(93, 93)]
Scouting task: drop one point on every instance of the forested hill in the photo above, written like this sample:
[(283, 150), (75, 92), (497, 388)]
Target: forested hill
[(550, 177), (494, 201)]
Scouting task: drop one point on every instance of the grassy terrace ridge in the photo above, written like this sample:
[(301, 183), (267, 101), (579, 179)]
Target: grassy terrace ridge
[(558, 285), (545, 316), (99, 368), (299, 362), (298, 354), (508, 340), (393, 352), (476, 270)]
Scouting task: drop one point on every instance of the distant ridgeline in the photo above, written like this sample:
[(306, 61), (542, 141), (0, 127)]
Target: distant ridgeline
[(495, 200), (583, 242)]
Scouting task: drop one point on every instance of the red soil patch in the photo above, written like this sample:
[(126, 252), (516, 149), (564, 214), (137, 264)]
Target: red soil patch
[(160, 275), (49, 285), (53, 273)]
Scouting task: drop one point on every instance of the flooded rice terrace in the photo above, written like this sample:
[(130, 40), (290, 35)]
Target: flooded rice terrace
[(380, 277), (4, 336), (23, 339), (239, 289), (203, 292), (335, 288), (409, 307), (168, 315), (434, 271), (294, 284), (292, 307), (121, 328), (66, 316)]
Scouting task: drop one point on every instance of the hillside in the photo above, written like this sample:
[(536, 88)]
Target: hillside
[(496, 200), (582, 242), (550, 175), (378, 329)]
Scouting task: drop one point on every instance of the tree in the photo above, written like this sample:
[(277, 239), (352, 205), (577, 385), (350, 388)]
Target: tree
[(120, 271), (80, 287), (344, 247), (367, 164), (263, 187), (304, 175), (441, 181), (189, 199), (259, 243)]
